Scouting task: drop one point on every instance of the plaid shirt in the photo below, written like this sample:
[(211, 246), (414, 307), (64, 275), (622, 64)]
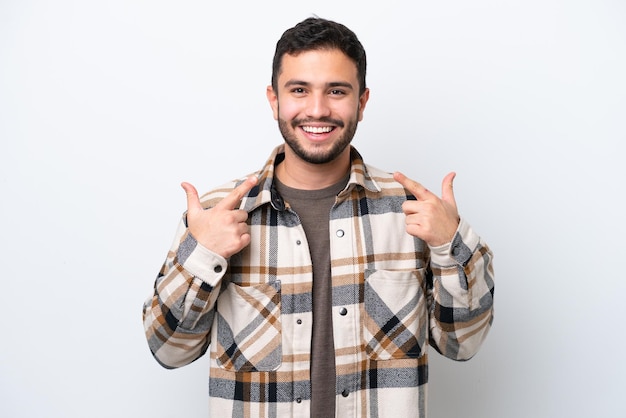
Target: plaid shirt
[(392, 297)]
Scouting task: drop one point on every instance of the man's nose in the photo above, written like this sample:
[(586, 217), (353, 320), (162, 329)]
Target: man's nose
[(318, 106)]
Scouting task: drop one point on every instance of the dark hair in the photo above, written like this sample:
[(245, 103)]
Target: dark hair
[(317, 33)]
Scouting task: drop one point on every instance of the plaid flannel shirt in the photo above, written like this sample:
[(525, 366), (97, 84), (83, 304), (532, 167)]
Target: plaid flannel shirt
[(392, 297)]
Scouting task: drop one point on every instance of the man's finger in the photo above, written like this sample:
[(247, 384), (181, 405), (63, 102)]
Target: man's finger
[(231, 201), (447, 188), (193, 201), (419, 191)]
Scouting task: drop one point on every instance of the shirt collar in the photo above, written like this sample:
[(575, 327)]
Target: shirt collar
[(264, 192)]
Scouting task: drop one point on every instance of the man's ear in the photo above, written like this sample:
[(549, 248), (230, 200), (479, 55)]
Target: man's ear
[(272, 97), (363, 102)]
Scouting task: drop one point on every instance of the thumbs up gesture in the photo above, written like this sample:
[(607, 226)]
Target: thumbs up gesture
[(430, 218), (222, 229)]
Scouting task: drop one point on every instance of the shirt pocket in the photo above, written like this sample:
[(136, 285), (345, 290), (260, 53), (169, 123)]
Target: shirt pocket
[(395, 321), (249, 328)]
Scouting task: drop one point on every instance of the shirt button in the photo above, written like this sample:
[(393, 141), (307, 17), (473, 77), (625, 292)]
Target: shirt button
[(217, 269), (298, 242), (345, 393), (343, 312), (298, 400), (340, 233), (299, 321)]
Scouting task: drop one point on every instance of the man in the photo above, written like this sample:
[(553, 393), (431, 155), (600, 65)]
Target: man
[(318, 283)]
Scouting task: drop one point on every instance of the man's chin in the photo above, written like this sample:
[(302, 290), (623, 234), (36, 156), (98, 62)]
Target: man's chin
[(315, 158), (316, 153), (320, 155)]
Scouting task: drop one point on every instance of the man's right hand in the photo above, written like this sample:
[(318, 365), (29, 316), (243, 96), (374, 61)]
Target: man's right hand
[(221, 229)]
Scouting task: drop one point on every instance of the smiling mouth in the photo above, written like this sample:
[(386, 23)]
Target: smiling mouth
[(317, 129)]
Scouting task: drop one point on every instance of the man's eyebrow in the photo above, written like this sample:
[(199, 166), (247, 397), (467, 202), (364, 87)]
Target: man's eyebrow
[(290, 83), (341, 84)]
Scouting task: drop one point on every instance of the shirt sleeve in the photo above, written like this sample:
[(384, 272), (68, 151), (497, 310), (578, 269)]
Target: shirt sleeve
[(178, 317), (461, 302)]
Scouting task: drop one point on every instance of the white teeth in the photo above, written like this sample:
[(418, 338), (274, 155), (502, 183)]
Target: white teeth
[(317, 129)]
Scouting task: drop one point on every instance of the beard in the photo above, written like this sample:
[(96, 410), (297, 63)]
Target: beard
[(317, 155)]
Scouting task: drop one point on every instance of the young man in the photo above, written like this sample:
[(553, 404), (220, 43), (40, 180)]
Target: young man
[(318, 283)]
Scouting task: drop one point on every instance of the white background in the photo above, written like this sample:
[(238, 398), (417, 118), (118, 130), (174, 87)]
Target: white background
[(105, 107)]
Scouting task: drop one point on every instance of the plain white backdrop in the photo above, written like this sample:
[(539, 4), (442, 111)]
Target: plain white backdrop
[(105, 107)]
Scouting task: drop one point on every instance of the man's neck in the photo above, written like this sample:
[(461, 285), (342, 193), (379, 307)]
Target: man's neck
[(299, 174)]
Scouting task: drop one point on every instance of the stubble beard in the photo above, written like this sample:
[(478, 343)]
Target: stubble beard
[(318, 155)]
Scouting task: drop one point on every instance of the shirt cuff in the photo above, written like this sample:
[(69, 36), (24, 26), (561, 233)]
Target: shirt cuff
[(459, 250), (200, 261)]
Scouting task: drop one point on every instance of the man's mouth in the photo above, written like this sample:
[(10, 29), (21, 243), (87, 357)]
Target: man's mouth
[(317, 129)]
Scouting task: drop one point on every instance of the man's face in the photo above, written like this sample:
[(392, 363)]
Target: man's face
[(317, 104)]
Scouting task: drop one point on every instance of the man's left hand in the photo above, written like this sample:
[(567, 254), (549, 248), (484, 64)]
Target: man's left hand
[(430, 218)]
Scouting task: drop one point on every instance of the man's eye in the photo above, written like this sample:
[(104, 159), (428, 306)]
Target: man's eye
[(298, 90), (337, 92)]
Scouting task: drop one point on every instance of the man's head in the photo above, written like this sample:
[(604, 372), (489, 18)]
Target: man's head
[(317, 34), (318, 91)]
